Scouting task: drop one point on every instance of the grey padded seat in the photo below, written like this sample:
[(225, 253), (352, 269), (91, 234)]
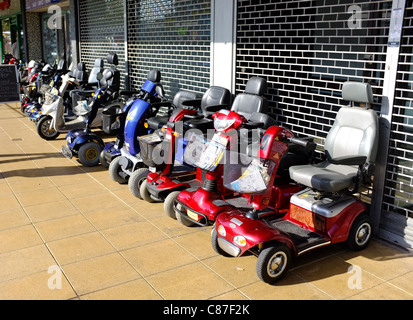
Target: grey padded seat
[(353, 134), (97, 68), (252, 99), (213, 100), (179, 98)]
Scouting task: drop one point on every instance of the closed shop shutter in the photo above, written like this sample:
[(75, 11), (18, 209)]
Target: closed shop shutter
[(172, 36), (102, 32)]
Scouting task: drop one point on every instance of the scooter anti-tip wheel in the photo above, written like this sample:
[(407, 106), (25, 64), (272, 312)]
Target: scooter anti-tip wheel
[(273, 262)]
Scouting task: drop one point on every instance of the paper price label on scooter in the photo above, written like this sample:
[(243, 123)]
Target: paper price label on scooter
[(254, 179)]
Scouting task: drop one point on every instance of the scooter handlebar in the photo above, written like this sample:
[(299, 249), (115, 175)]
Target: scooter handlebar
[(306, 143)]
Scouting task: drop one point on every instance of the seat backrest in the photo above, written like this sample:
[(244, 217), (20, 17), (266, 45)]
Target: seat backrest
[(80, 73), (355, 129), (97, 68), (111, 76), (183, 95), (155, 76), (252, 100), (215, 96)]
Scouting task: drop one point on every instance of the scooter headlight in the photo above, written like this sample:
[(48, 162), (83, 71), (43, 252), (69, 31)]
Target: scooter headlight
[(221, 230), (222, 125), (240, 240)]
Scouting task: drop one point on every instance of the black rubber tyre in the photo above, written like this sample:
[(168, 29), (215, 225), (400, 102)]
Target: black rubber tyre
[(136, 180), (89, 154), (144, 193), (114, 169), (360, 233), (168, 204), (273, 262), (103, 161), (43, 129)]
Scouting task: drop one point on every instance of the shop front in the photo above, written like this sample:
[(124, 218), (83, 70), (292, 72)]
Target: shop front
[(50, 20), (11, 42)]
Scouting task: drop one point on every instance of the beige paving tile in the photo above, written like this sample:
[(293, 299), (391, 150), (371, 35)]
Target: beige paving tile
[(9, 202), (291, 287), (78, 248), (23, 262), (382, 260), (133, 290), (50, 211), (65, 227), (133, 235), (404, 282), (36, 287), (158, 257), (95, 274), (189, 282), (336, 277), (174, 228), (32, 198), (13, 218), (384, 291), (197, 242), (90, 203), (232, 295), (238, 271), (90, 188), (33, 184), (114, 217), (18, 238)]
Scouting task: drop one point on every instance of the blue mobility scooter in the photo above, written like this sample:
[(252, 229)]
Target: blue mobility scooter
[(153, 95), (129, 165), (81, 142)]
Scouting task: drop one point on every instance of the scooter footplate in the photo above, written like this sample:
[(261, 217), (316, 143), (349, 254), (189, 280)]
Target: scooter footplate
[(67, 153), (303, 239)]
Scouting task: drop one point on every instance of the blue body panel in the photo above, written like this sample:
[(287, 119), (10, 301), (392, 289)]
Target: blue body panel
[(149, 87), (134, 125), (80, 137)]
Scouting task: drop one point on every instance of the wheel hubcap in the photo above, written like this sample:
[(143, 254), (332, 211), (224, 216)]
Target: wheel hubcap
[(276, 264), (363, 234), (91, 154)]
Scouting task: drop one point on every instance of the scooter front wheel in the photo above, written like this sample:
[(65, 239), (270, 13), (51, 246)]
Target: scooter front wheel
[(114, 170), (169, 203), (136, 180), (44, 131), (273, 262), (144, 193)]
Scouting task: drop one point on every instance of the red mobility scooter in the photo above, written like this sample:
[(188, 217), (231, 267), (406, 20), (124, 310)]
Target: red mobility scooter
[(325, 212), (165, 185)]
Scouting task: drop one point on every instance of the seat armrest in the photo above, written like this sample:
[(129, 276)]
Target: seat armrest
[(348, 160), (192, 103), (216, 108)]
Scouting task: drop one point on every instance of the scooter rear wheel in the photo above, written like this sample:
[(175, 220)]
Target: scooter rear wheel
[(89, 154), (143, 190), (44, 131), (360, 233), (273, 262)]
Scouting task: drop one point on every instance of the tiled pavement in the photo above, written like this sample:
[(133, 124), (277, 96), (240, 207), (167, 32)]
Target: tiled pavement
[(69, 225)]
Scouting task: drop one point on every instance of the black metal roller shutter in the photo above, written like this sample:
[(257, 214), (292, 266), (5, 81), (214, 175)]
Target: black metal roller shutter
[(172, 36)]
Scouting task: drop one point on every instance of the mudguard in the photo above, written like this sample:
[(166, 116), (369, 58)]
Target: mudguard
[(134, 126), (75, 139)]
